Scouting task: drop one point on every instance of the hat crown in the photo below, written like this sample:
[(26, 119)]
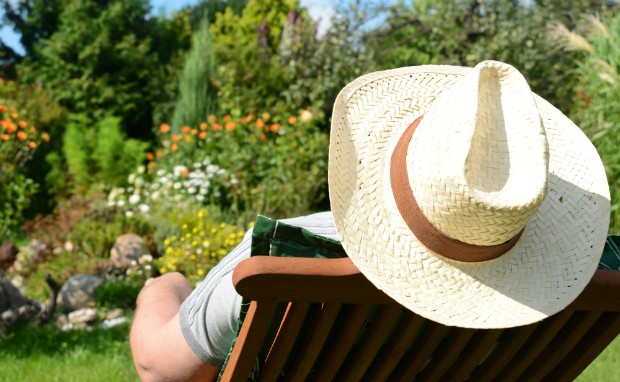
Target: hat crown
[(478, 161)]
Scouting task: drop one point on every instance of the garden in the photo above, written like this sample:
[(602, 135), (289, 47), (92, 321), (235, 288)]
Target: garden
[(133, 144)]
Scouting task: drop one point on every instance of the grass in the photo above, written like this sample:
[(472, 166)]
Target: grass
[(47, 354), (605, 366)]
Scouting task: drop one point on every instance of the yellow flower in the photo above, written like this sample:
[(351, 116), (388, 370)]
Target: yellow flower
[(200, 272)]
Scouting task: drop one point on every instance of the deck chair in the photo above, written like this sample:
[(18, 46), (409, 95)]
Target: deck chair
[(333, 324)]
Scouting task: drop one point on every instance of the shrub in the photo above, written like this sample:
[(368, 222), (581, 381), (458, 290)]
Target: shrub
[(277, 164), (18, 143), (98, 154), (200, 245), (120, 293)]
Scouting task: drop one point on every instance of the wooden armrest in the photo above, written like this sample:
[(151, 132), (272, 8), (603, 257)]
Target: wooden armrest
[(267, 278), (281, 279)]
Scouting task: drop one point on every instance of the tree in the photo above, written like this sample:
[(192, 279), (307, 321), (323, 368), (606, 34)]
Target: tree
[(196, 91)]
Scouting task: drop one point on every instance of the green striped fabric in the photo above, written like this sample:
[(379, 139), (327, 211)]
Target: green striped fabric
[(611, 254)]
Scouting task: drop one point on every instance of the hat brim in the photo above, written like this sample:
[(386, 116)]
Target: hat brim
[(547, 269)]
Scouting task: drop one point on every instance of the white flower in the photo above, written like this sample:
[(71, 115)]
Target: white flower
[(129, 213), (203, 191), (212, 169), (191, 190), (141, 170), (234, 181), (305, 116), (139, 182), (200, 198), (111, 203), (197, 165), (217, 194), (144, 208), (179, 170), (206, 161), (221, 172), (131, 178), (177, 185), (155, 195), (163, 180), (146, 258), (134, 199), (161, 172), (120, 203), (147, 267)]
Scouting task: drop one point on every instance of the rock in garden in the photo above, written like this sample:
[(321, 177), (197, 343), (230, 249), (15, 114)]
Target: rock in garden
[(8, 252), (10, 296), (114, 313), (127, 248), (79, 291), (83, 316)]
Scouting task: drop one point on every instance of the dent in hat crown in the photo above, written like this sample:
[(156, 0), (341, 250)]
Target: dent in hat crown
[(478, 161)]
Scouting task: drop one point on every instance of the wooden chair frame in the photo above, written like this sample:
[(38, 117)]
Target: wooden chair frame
[(356, 332)]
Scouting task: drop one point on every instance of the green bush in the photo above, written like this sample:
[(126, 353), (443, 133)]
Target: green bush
[(199, 246), (121, 293), (98, 154)]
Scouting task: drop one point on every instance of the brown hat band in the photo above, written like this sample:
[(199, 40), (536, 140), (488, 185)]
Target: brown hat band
[(417, 222)]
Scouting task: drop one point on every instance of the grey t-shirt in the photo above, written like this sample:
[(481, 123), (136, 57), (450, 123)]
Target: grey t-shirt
[(209, 314)]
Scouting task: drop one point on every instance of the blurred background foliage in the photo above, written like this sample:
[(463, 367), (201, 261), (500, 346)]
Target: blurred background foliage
[(225, 106)]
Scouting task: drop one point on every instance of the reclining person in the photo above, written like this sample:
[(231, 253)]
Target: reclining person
[(458, 192)]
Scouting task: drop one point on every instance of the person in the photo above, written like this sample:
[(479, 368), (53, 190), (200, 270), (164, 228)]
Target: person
[(457, 191)]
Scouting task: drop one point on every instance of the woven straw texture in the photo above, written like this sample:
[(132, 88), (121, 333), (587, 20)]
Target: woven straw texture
[(475, 182)]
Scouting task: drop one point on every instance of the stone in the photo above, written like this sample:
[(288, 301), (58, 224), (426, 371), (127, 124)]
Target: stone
[(10, 296), (107, 324), (8, 317), (8, 253), (78, 292), (82, 316), (127, 249), (114, 313)]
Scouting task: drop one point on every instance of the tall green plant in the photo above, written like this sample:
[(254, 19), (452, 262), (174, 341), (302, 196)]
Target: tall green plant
[(197, 94), (598, 93), (98, 155)]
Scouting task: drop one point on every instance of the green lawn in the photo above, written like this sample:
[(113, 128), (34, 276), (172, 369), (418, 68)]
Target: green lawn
[(604, 368), (46, 354)]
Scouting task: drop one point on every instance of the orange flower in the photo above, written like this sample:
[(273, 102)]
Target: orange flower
[(202, 135), (226, 117), (32, 145), (275, 127), (150, 156), (174, 147), (187, 138), (230, 126), (292, 120), (203, 126), (151, 166), (14, 115), (185, 129), (4, 137), (211, 119), (164, 128), (45, 136), (11, 128), (176, 138), (194, 131), (262, 137), (32, 130), (22, 124), (3, 108), (22, 136), (259, 123), (159, 153), (217, 127)]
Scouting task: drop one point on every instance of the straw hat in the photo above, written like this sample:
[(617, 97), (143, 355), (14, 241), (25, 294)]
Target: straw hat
[(464, 196)]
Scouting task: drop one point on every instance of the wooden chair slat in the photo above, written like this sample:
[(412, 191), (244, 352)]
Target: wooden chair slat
[(313, 342), (249, 341), (445, 355), (478, 348), (417, 357), (382, 324), (344, 335), (537, 342), (603, 332), (284, 341), (578, 326), (408, 329)]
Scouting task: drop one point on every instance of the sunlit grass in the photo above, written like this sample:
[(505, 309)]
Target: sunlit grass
[(47, 354)]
